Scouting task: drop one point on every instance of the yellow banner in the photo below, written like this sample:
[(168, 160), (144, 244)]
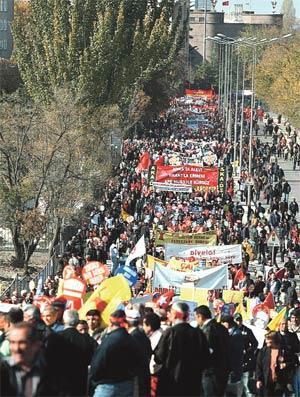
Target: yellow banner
[(194, 295), (233, 296), (206, 238)]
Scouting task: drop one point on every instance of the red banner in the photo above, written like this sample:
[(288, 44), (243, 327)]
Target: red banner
[(196, 176), (205, 94)]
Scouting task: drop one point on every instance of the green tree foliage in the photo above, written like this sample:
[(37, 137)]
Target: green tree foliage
[(107, 51), (278, 78), (207, 73)]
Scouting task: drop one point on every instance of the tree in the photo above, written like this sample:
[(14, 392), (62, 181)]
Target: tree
[(289, 13), (50, 156), (206, 74), (278, 76), (105, 51)]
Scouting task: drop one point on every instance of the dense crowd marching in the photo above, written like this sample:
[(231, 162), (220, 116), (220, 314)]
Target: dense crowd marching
[(151, 348)]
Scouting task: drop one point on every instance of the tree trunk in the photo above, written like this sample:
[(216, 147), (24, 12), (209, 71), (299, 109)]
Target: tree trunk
[(29, 250), (56, 237), (18, 248)]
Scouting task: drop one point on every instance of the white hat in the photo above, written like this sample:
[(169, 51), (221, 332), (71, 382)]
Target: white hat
[(132, 314)]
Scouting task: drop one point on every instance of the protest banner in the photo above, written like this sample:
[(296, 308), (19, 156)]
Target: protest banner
[(68, 272), (74, 288), (107, 297), (95, 272), (165, 187), (193, 175), (204, 94), (216, 254), (183, 265), (200, 296), (206, 238), (215, 278), (151, 261), (129, 273), (230, 296)]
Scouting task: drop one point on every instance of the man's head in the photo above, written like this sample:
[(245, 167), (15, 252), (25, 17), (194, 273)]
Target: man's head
[(31, 314), (13, 317), (202, 313), (24, 344), (93, 319), (228, 322), (295, 318), (49, 315), (70, 318), (282, 326), (238, 318), (272, 340), (133, 317), (82, 327), (118, 319), (151, 323), (179, 312)]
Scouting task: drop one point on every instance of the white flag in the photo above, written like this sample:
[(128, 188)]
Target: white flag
[(138, 250)]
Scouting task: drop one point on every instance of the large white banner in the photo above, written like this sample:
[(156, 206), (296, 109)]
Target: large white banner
[(214, 278), (219, 253)]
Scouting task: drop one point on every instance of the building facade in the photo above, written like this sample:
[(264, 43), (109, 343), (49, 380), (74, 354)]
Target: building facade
[(228, 24), (6, 17)]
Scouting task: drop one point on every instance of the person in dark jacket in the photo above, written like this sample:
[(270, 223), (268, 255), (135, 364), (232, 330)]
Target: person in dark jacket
[(236, 355), (215, 377), (249, 359), (183, 354), (133, 320), (32, 315), (26, 371), (78, 351), (273, 367), (115, 362)]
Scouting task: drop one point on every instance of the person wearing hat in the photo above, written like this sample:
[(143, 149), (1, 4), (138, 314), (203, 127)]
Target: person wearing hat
[(215, 377), (116, 361), (183, 354), (133, 318), (249, 359)]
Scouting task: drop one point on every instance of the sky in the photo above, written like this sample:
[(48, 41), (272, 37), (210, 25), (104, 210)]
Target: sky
[(259, 6)]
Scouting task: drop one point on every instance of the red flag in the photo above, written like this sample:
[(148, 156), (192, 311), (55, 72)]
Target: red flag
[(145, 162), (280, 273), (164, 300), (225, 3), (239, 276), (269, 301), (160, 161)]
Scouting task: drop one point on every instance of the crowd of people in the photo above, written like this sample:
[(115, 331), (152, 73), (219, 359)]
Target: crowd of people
[(153, 349)]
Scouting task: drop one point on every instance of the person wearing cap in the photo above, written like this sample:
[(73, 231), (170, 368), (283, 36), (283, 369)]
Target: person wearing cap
[(250, 347), (183, 354), (133, 319), (215, 377), (116, 361), (236, 352)]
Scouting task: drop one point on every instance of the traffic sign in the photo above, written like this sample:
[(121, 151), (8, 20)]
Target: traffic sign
[(273, 240)]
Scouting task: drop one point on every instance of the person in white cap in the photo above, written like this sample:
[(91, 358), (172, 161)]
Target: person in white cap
[(133, 318)]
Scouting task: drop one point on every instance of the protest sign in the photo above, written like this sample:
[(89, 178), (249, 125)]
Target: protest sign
[(68, 272), (129, 273), (74, 288), (205, 238), (230, 296), (95, 272), (217, 254), (200, 296), (214, 278)]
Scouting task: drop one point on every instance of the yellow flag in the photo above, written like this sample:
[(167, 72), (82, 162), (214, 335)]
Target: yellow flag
[(241, 310), (274, 323), (151, 260), (110, 294), (124, 215)]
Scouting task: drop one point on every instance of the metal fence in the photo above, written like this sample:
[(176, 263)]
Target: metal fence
[(20, 283)]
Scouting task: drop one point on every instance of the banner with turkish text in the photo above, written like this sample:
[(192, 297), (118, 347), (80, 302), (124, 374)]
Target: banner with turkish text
[(206, 238), (205, 94), (216, 254)]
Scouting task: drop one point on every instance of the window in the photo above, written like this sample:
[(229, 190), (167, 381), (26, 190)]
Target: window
[(3, 5), (192, 19), (3, 44), (3, 24)]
